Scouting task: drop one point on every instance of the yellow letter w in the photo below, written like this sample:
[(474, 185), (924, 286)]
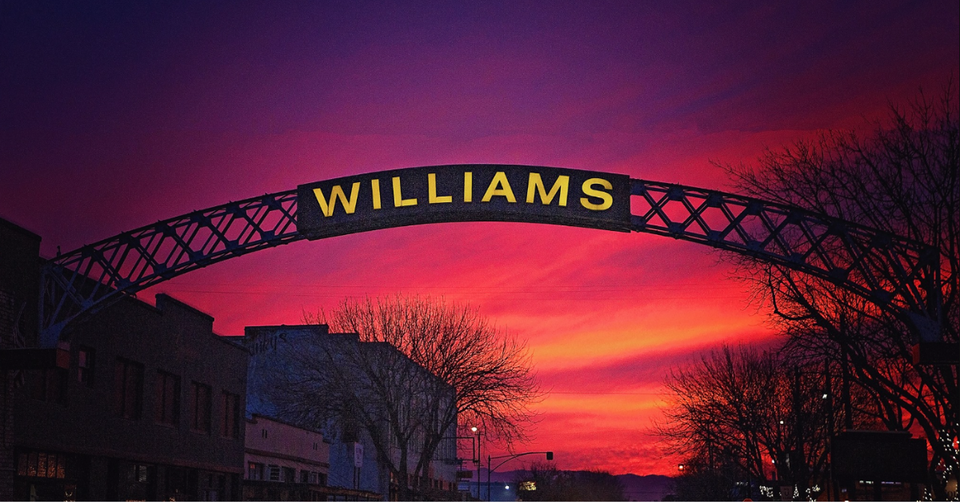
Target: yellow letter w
[(337, 193)]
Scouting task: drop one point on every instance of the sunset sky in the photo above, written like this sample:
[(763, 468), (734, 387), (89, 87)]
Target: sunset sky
[(116, 115)]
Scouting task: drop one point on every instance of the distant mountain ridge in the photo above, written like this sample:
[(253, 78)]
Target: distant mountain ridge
[(649, 487)]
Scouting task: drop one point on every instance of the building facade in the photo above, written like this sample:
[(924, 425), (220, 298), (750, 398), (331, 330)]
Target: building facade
[(284, 462), (145, 402), (149, 408), (287, 462), (354, 460), (19, 289)]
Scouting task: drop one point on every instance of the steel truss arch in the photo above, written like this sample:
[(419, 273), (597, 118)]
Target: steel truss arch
[(887, 270), (85, 280)]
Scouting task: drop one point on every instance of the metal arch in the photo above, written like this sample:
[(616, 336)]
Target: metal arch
[(883, 268), (886, 269), (94, 276)]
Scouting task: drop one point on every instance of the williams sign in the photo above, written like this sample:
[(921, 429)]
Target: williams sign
[(472, 192)]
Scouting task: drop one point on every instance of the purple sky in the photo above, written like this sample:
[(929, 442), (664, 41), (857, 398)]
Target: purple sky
[(115, 115)]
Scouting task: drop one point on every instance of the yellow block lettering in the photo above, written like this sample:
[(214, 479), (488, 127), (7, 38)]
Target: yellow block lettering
[(337, 193), (468, 186), (432, 186), (398, 200), (500, 187), (536, 186), (375, 189), (606, 199)]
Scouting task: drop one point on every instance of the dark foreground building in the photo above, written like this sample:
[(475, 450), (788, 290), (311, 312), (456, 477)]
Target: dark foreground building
[(150, 408), (147, 406)]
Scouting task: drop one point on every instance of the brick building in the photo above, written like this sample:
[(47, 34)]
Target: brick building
[(148, 405)]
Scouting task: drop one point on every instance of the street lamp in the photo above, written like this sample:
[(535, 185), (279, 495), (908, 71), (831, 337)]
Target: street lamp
[(508, 458), (475, 446)]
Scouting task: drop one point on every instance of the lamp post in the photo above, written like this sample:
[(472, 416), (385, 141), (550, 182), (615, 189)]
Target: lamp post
[(508, 458), (475, 446), (476, 460)]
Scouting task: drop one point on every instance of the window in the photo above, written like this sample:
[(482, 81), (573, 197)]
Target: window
[(49, 384), (201, 408), (128, 389), (231, 416), (289, 475), (255, 471), (168, 398), (139, 473), (86, 357), (38, 464), (304, 476), (274, 472)]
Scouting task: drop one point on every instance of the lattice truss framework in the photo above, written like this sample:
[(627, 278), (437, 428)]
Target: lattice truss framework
[(883, 268), (85, 280)]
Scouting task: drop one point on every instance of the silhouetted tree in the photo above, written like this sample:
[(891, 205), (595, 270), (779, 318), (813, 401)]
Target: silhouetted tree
[(751, 415), (902, 178), (414, 366), (490, 370)]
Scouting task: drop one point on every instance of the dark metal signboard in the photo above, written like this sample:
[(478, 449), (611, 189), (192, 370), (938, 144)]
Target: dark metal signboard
[(471, 192)]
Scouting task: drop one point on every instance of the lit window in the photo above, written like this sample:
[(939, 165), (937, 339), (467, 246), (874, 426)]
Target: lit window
[(41, 465)]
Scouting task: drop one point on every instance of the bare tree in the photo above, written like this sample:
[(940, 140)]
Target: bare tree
[(753, 415), (903, 178), (414, 367)]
